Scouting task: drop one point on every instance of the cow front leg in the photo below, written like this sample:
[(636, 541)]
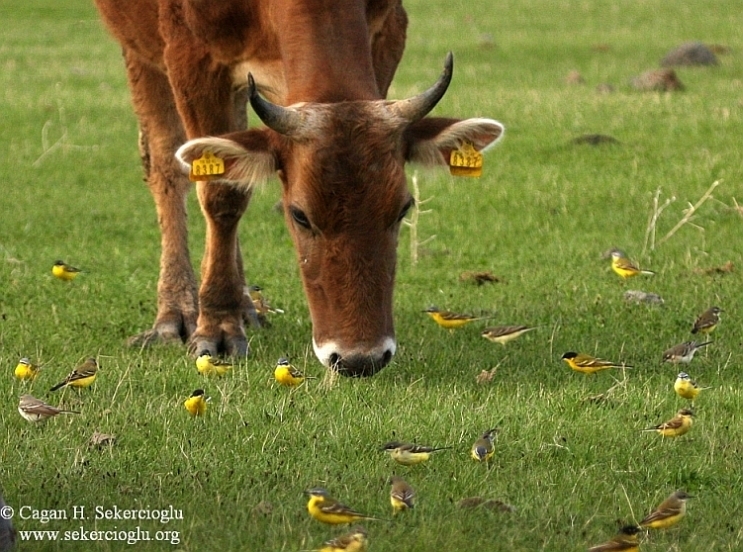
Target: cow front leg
[(223, 303), (161, 133)]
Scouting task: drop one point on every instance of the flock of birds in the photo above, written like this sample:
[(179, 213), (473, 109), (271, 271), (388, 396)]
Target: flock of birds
[(323, 507)]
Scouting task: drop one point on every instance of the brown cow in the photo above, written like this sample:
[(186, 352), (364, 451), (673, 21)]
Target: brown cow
[(339, 150)]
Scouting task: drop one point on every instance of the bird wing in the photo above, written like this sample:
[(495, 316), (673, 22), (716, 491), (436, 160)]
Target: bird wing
[(674, 423), (331, 506)]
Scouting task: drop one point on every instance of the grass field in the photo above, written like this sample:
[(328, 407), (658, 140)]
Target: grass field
[(539, 218)]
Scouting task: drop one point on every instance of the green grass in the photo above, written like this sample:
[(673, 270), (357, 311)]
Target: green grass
[(540, 217)]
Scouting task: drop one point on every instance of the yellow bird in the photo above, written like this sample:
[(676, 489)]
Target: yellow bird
[(676, 426), (683, 352), (212, 366), (353, 541), (196, 404), (26, 370), (326, 509), (707, 321), (288, 375), (35, 410), (401, 494), (587, 364), (624, 541), (65, 272), (670, 511), (450, 320), (482, 449), (82, 376), (504, 334), (624, 267), (409, 454), (686, 388)]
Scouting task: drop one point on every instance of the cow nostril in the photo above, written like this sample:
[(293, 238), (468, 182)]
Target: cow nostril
[(334, 359), (386, 357)]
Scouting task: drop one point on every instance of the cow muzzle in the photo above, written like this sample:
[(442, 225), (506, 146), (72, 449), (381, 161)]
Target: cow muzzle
[(356, 362)]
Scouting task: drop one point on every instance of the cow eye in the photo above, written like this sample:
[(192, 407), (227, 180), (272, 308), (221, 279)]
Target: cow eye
[(300, 218), (405, 209)]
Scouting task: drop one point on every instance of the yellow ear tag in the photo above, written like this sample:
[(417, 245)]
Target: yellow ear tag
[(465, 161), (206, 167)]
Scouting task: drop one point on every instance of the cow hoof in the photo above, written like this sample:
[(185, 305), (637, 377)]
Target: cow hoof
[(236, 346), (162, 333)]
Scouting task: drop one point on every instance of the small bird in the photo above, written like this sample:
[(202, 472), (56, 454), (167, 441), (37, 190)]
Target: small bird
[(587, 364), (82, 376), (683, 352), (353, 541), (26, 370), (450, 320), (624, 541), (624, 267), (409, 454), (482, 449), (401, 494), (261, 303), (676, 426), (196, 404), (686, 388), (35, 410), (707, 321), (326, 509), (504, 334), (288, 375), (211, 366), (65, 272), (670, 511)]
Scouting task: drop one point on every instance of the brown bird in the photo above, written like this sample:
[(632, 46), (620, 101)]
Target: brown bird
[(676, 426), (624, 541), (707, 321), (670, 511), (504, 334), (401, 494), (683, 352), (35, 410)]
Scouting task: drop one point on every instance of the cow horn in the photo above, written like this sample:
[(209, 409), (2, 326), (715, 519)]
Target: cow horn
[(281, 119), (415, 108)]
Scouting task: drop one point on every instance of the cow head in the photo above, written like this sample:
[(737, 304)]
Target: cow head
[(342, 166)]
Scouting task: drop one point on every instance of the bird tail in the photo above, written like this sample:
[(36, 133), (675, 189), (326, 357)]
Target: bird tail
[(69, 412), (647, 272), (59, 385), (703, 344)]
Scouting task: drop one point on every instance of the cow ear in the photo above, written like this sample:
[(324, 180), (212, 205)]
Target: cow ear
[(248, 156), (430, 141)]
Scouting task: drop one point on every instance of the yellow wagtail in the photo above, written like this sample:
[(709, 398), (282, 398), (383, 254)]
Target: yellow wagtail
[(65, 272), (679, 425), (482, 449), (624, 267), (450, 320), (82, 376), (35, 410), (208, 365), (353, 541), (624, 541), (683, 352), (504, 334), (401, 494), (707, 321), (196, 404), (288, 375), (26, 370), (260, 302), (409, 454), (686, 388), (326, 509), (587, 364), (670, 511)]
